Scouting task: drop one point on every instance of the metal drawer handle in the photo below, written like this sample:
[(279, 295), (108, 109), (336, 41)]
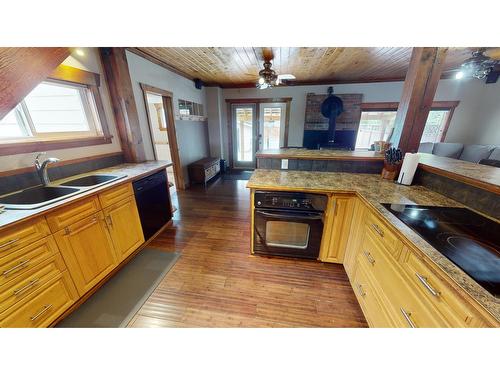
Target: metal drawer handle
[(109, 220), (407, 316), (10, 242), (369, 257), (31, 284), (41, 312), (361, 291), (15, 268), (428, 286), (377, 229)]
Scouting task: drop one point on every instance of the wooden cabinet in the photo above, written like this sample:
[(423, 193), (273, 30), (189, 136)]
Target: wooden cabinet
[(116, 194), (124, 226), (203, 170), (87, 251), (18, 236), (44, 305), (338, 223)]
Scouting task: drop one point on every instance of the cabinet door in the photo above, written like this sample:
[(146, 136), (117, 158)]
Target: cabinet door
[(339, 224), (87, 251), (355, 238), (124, 225)]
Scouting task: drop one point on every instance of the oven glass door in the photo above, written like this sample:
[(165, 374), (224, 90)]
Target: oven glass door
[(288, 233)]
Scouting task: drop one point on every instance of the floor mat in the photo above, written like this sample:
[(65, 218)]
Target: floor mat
[(117, 301), (244, 175)]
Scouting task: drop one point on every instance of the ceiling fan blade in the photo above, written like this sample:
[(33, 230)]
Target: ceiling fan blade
[(493, 53), (267, 53), (286, 76)]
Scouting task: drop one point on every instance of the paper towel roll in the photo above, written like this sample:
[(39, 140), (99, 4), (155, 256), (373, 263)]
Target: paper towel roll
[(410, 163)]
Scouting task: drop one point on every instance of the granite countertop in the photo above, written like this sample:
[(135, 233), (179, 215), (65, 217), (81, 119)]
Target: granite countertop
[(483, 176), (375, 191), (303, 153), (132, 171)]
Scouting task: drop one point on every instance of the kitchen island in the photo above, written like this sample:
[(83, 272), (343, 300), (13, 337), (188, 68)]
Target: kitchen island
[(369, 191)]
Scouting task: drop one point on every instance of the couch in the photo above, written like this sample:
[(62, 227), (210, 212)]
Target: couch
[(483, 154)]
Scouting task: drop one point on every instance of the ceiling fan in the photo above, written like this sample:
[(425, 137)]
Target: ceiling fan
[(484, 63), (267, 76)]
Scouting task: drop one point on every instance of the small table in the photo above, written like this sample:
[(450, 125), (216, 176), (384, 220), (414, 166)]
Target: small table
[(201, 171)]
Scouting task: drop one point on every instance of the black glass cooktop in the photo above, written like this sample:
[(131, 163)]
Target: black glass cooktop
[(469, 240)]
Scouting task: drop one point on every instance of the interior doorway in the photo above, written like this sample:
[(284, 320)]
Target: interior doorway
[(159, 108)]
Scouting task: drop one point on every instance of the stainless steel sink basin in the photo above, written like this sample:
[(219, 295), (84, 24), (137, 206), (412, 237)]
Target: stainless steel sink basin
[(36, 197), (91, 180)]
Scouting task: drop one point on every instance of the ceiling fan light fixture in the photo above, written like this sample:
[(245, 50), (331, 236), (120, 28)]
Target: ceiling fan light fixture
[(478, 66), (459, 75)]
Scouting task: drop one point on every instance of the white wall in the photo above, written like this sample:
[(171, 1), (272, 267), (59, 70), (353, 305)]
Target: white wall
[(90, 62), (476, 120), (192, 136)]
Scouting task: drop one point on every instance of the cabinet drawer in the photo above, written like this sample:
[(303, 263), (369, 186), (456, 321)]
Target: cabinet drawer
[(23, 260), (72, 213), (17, 236), (441, 297), (115, 195), (371, 303), (383, 234), (29, 282), (406, 304), (44, 306)]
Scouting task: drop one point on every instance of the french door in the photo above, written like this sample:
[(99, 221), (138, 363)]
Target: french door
[(271, 125), (244, 129)]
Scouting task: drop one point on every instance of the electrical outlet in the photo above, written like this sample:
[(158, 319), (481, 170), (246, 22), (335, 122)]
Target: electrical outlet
[(284, 163)]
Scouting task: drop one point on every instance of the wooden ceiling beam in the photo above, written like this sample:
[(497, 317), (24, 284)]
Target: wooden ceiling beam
[(424, 72), (114, 61), (22, 69)]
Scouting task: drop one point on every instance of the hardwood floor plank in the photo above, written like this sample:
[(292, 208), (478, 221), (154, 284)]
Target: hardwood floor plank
[(217, 283)]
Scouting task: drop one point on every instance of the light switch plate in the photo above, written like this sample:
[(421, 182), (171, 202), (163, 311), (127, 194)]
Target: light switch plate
[(284, 163)]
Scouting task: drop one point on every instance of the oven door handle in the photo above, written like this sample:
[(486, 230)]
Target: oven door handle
[(305, 216)]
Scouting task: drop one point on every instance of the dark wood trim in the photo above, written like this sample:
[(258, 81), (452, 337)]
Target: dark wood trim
[(96, 93), (167, 103), (461, 178), (155, 90), (114, 62), (229, 118), (13, 172), (259, 100), (71, 74), (159, 62), (447, 124), (45, 145), (168, 107), (393, 106)]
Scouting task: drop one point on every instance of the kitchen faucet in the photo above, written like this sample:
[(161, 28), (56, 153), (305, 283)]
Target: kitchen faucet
[(41, 168)]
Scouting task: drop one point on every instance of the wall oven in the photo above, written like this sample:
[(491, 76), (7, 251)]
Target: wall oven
[(288, 224)]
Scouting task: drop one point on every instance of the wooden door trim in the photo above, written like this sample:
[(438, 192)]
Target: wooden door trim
[(256, 101), (167, 100)]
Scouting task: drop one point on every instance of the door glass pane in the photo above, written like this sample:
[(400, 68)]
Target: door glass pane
[(434, 126), (374, 126), (56, 108), (244, 131), (287, 234), (271, 133)]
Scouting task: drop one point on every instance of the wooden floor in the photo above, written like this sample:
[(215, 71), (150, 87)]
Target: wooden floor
[(217, 283)]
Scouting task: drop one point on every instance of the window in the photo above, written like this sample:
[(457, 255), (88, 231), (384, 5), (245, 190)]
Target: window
[(187, 108), (374, 126), (377, 122), (53, 110)]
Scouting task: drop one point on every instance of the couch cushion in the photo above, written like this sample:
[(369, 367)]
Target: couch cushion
[(449, 150), (495, 155), (426, 147), (490, 162), (474, 153)]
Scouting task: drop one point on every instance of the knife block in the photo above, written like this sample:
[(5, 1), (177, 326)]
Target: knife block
[(390, 171)]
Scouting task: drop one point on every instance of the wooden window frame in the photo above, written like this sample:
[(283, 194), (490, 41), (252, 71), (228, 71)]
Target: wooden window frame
[(168, 107), (66, 74), (449, 105), (255, 101)]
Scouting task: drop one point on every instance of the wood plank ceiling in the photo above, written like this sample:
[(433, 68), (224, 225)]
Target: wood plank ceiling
[(239, 66)]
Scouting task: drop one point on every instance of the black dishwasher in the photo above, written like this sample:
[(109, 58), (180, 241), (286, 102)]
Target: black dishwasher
[(153, 202)]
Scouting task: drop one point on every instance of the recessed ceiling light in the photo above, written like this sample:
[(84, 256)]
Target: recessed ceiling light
[(79, 52), (459, 75)]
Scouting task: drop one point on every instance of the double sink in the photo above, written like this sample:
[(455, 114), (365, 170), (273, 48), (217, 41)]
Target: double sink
[(39, 196)]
